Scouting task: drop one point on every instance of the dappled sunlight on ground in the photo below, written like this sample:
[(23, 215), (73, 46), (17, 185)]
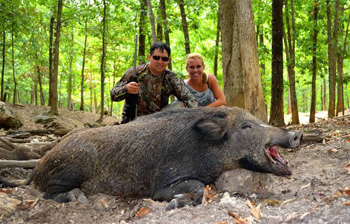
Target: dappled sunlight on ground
[(304, 117)]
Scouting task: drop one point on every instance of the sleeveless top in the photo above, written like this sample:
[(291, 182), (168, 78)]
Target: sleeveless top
[(203, 98)]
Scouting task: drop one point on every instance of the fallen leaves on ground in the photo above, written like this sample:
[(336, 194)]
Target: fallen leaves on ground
[(6, 190), (332, 150), (272, 202), (343, 192), (347, 203), (143, 211), (27, 204), (237, 218), (104, 203), (255, 210), (347, 167), (224, 222), (208, 195)]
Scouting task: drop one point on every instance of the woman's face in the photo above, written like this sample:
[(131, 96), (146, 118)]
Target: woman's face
[(195, 68)]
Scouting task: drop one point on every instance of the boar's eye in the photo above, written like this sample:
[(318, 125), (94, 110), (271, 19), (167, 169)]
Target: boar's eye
[(246, 125)]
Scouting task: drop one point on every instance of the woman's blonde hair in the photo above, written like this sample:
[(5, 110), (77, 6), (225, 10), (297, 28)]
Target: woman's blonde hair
[(197, 56)]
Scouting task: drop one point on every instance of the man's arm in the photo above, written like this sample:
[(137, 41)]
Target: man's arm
[(119, 91), (181, 92)]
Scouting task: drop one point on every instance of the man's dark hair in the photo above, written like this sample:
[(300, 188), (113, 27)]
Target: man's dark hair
[(161, 47)]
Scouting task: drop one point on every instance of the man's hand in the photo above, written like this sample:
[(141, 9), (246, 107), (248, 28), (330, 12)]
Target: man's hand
[(132, 87)]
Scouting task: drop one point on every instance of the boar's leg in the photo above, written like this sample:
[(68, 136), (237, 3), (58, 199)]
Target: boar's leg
[(189, 192), (65, 187)]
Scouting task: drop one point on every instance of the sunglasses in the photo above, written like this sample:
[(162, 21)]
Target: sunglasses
[(156, 57)]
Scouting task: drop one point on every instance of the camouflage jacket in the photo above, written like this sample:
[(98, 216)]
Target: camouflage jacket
[(154, 91)]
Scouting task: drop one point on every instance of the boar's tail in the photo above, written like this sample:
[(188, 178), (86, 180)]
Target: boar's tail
[(15, 183)]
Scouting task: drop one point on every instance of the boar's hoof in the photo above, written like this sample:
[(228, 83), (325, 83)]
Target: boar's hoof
[(77, 195), (181, 200), (74, 195)]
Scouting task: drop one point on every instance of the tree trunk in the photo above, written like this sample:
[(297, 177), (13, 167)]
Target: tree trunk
[(290, 55), (113, 81), (276, 111), (314, 66), (53, 80), (289, 107), (347, 96), (3, 64), (217, 40), (184, 26), (332, 54), (52, 22), (95, 102), (103, 56), (69, 100), (42, 96), (34, 98), (153, 25), (242, 82), (83, 69), (340, 101), (321, 97), (166, 26), (324, 94), (13, 66), (159, 29), (59, 98), (142, 27)]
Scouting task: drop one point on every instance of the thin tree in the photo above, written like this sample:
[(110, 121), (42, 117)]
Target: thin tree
[(42, 96), (184, 26), (166, 25), (53, 79), (34, 95), (242, 81), (324, 94), (332, 54), (142, 27), (113, 81), (51, 49), (103, 56), (13, 63), (159, 26), (3, 63), (83, 68), (70, 78), (276, 111), (151, 16), (341, 54), (217, 40), (314, 65), (289, 43)]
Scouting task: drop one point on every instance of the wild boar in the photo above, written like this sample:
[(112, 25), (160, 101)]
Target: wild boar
[(168, 156)]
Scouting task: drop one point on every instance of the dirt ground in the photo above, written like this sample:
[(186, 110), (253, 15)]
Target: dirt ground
[(317, 192)]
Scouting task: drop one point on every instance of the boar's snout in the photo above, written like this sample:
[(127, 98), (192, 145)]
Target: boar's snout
[(295, 139), (286, 139)]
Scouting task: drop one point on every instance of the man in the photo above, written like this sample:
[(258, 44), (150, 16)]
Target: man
[(154, 84)]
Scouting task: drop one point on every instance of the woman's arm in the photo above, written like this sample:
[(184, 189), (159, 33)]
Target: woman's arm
[(217, 91)]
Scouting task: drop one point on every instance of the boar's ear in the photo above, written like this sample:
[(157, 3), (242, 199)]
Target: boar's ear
[(212, 129)]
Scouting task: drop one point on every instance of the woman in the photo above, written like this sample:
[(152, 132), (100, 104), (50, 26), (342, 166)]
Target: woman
[(204, 87)]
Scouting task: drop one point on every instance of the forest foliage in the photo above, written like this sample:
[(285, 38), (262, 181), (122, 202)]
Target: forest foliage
[(25, 45)]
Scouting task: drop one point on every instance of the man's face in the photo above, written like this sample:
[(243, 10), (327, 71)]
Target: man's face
[(158, 62)]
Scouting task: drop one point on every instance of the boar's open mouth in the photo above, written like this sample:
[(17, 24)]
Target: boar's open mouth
[(272, 154)]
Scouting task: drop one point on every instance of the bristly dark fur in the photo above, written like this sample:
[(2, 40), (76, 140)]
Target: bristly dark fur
[(141, 158)]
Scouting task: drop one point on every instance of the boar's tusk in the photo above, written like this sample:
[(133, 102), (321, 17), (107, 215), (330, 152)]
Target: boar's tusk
[(272, 154), (275, 155)]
